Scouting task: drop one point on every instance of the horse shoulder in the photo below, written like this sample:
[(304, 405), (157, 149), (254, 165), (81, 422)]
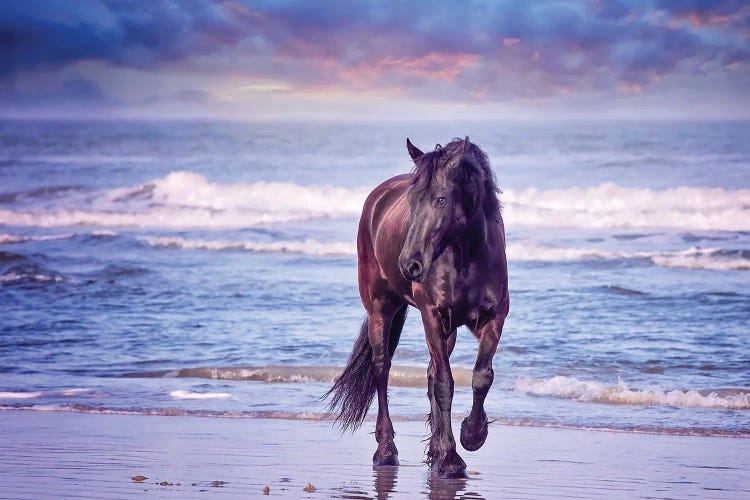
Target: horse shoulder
[(382, 230)]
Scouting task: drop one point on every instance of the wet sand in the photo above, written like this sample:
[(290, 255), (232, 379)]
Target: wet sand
[(54, 455)]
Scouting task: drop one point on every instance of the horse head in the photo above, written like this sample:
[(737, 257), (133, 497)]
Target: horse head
[(445, 195)]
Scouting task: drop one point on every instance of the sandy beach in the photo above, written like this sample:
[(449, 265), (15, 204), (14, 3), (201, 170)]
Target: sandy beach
[(57, 454)]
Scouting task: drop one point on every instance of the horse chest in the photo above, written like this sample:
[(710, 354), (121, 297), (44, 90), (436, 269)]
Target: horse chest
[(466, 299)]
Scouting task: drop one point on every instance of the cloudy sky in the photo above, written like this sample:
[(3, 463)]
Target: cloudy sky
[(377, 59)]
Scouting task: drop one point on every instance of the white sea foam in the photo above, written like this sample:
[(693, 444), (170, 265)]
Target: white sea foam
[(694, 257), (612, 206), (184, 394), (186, 199), (19, 395), (311, 247), (572, 388), (6, 238), (702, 259), (75, 391), (400, 376), (14, 277)]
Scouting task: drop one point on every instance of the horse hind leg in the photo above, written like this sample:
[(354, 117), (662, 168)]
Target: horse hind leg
[(474, 427), (384, 328)]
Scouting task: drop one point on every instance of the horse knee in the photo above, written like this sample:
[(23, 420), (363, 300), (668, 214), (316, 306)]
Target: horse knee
[(482, 379)]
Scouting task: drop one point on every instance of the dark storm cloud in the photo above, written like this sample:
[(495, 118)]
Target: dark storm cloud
[(134, 34), (443, 50)]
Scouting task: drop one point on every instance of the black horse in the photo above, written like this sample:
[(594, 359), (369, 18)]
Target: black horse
[(433, 239)]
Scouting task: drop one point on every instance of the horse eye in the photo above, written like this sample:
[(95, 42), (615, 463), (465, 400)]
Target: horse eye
[(440, 202)]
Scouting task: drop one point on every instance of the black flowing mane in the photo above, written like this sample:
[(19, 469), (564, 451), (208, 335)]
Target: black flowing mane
[(474, 162)]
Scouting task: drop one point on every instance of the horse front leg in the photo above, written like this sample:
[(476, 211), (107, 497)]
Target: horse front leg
[(451, 343), (379, 326), (441, 454), (474, 426)]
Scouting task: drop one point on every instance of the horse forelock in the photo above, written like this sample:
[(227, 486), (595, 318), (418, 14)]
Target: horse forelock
[(473, 163)]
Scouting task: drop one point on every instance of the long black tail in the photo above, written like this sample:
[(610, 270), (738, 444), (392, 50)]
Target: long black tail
[(354, 390)]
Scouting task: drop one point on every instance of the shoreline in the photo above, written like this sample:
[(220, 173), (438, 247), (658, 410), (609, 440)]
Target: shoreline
[(323, 418), (87, 455)]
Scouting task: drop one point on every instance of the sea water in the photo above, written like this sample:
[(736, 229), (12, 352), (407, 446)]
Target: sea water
[(210, 269)]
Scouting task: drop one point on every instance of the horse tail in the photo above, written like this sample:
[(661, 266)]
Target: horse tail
[(396, 326), (354, 390)]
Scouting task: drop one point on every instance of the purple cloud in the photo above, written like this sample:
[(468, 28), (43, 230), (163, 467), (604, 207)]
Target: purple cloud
[(447, 51)]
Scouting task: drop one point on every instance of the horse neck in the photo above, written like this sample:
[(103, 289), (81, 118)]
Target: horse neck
[(473, 241)]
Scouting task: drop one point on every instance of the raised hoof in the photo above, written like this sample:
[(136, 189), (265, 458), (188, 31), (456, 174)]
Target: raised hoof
[(386, 454), (470, 440)]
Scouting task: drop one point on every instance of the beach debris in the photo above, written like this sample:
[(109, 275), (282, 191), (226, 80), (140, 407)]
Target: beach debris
[(309, 488), (266, 490), (138, 478), (218, 484)]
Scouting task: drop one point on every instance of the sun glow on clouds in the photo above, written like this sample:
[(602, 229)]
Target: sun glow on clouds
[(240, 88), (546, 58), (430, 67)]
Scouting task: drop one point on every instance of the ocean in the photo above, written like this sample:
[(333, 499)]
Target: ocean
[(209, 269)]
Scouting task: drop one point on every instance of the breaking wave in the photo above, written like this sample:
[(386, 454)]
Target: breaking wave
[(612, 206), (588, 391), (185, 199), (311, 247), (400, 376), (693, 258), (184, 394), (6, 239)]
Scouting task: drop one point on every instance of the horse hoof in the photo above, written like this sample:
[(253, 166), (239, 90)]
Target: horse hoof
[(386, 454), (473, 441), (454, 474), (378, 461), (451, 467)]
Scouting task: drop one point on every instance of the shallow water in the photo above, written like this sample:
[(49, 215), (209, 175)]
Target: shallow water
[(210, 269)]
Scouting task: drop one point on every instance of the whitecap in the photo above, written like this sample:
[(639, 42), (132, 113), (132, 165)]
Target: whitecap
[(591, 391), (184, 394)]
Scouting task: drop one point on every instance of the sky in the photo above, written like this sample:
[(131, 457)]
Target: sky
[(375, 60)]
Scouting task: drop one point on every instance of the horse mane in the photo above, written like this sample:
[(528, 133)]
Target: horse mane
[(474, 162)]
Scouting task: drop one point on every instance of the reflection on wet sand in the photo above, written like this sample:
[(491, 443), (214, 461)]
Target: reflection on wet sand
[(385, 480), (439, 489)]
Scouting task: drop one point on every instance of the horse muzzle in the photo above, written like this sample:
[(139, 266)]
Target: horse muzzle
[(412, 269)]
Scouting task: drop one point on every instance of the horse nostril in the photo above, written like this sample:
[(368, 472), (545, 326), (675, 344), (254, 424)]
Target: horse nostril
[(414, 268)]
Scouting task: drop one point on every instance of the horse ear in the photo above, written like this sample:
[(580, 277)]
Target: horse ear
[(414, 151), (458, 154)]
